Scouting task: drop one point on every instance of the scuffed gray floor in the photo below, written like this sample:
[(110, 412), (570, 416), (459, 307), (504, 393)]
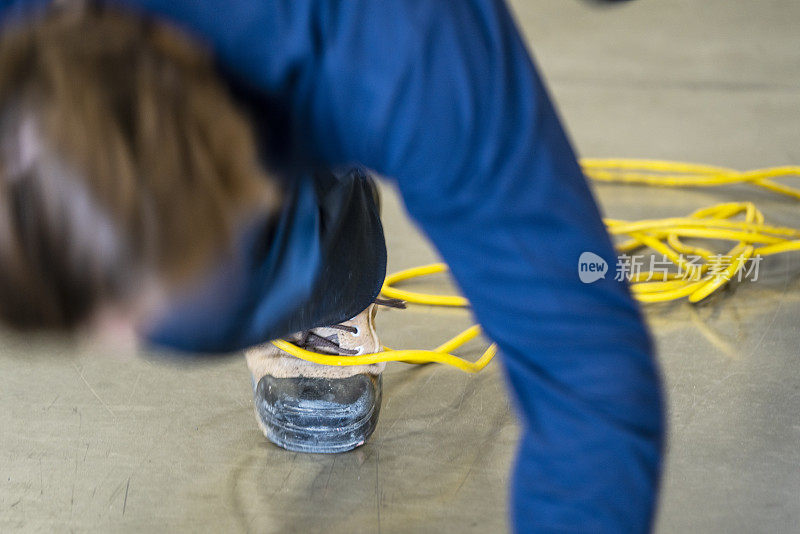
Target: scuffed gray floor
[(92, 441)]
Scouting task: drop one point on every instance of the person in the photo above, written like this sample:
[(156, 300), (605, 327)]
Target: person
[(441, 97)]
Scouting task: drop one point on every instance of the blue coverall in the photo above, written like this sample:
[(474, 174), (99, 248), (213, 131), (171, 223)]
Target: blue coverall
[(443, 97)]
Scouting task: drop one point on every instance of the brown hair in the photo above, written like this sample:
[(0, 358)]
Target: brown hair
[(121, 155)]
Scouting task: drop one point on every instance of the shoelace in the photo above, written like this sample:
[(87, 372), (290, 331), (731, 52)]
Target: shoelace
[(311, 340)]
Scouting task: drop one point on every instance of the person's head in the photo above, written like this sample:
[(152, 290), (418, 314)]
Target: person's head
[(124, 166)]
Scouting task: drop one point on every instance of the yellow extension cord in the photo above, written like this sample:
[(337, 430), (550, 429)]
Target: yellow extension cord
[(751, 236)]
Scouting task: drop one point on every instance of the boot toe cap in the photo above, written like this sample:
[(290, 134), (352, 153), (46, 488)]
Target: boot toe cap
[(318, 414)]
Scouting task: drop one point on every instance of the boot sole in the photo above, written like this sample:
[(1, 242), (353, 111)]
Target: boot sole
[(346, 435)]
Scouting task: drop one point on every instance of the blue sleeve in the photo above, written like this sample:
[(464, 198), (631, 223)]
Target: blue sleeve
[(444, 98)]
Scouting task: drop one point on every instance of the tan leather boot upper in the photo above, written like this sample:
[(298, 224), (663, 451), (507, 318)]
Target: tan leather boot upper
[(267, 359)]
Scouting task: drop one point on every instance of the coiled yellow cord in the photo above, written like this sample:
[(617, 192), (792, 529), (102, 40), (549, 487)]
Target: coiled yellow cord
[(677, 174), (751, 236)]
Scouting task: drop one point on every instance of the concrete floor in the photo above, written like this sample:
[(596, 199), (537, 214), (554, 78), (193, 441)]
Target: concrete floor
[(94, 442)]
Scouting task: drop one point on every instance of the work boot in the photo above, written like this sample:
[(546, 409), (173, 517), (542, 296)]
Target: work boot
[(307, 407)]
